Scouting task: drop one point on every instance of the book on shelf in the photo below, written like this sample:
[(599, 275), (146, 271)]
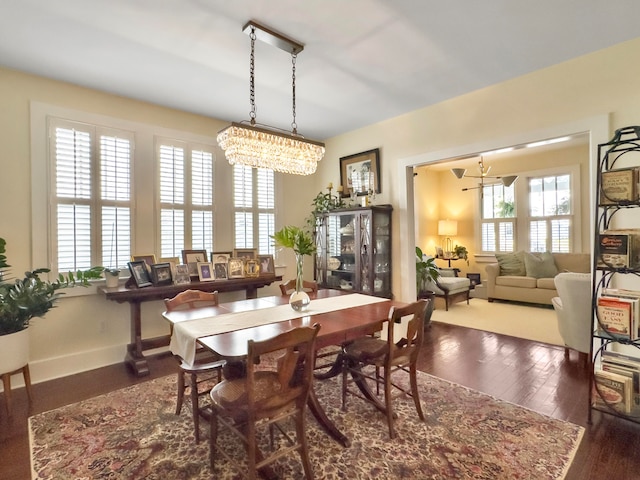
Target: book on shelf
[(615, 317), (627, 366), (619, 248), (619, 185), (612, 390), (634, 296)]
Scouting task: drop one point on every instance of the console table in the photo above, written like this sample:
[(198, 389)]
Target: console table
[(134, 357)]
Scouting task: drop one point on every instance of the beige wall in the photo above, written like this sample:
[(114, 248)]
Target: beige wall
[(86, 332)]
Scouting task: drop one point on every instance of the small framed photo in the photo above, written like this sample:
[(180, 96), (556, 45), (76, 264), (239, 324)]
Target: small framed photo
[(439, 252), (140, 273), (360, 173), (220, 270), (252, 268), (182, 276), (161, 274), (147, 259), (267, 265), (221, 257), (172, 261), (205, 272), (236, 268), (245, 253), (192, 258)]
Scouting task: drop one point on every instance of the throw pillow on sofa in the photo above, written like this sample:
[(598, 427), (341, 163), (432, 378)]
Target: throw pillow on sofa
[(540, 265), (511, 263)]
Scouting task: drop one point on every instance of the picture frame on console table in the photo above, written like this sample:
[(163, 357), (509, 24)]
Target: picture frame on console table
[(182, 276), (192, 258), (161, 274), (140, 274), (360, 172), (236, 268)]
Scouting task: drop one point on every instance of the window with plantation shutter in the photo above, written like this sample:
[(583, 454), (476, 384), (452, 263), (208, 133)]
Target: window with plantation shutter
[(186, 198), (542, 220), (498, 218), (92, 199), (254, 208), (550, 213)]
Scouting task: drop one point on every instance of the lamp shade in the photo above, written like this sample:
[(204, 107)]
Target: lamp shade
[(447, 228), (507, 181), (459, 172)]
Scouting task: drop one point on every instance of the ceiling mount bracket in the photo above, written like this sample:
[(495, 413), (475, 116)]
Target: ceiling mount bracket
[(273, 38)]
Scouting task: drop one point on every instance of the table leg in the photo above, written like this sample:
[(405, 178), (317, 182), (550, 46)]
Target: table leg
[(324, 421), (134, 357)]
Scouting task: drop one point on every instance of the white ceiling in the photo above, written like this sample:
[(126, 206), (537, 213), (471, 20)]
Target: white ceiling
[(364, 60)]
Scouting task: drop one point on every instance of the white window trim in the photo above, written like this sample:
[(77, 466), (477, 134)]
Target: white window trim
[(521, 241), (41, 230)]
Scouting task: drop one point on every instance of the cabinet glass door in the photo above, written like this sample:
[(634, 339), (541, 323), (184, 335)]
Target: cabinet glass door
[(341, 250)]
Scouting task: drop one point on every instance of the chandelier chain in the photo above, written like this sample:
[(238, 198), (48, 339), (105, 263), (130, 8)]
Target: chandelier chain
[(252, 89), (294, 125)]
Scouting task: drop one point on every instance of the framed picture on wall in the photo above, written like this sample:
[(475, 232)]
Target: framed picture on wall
[(360, 173)]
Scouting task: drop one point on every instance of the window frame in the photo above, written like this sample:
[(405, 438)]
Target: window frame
[(143, 194), (523, 218)]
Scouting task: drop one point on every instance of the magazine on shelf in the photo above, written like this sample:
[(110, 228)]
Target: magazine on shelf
[(615, 317), (613, 364), (612, 390), (619, 186)]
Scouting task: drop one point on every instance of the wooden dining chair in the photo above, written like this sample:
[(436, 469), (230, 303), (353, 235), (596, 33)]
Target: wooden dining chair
[(289, 287), (278, 390), (206, 368), (389, 356)]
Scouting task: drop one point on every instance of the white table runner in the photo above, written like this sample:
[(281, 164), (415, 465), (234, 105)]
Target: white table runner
[(185, 334)]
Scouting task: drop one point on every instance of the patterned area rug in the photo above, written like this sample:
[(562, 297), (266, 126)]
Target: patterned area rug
[(133, 433)]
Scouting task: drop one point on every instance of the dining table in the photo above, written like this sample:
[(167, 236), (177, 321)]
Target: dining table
[(226, 328)]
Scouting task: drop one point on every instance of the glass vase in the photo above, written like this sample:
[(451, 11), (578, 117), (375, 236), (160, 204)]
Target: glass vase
[(299, 300)]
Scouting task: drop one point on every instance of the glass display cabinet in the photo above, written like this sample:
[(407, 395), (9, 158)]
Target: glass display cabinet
[(354, 250)]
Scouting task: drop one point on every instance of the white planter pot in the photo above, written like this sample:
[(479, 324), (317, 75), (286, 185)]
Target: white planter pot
[(14, 351), (112, 280)]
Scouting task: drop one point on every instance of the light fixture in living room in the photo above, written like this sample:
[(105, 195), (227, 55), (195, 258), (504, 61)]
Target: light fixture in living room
[(448, 229), (263, 146), (484, 173)]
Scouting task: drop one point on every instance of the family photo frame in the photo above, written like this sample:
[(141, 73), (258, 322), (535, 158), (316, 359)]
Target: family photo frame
[(267, 265), (192, 258), (360, 173), (161, 274), (140, 273)]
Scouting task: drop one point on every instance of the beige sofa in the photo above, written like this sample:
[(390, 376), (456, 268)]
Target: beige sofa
[(529, 289)]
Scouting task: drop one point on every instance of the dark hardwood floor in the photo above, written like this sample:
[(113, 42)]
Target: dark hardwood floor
[(531, 374)]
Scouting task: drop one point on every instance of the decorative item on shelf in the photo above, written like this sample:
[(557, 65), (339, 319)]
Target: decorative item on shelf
[(333, 263), (360, 175), (264, 146), (111, 276), (302, 244), (323, 203), (447, 229), (484, 173)]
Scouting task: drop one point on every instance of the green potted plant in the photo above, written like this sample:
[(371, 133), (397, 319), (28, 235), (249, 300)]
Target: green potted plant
[(301, 242), (323, 203), (426, 269), (461, 252), (22, 299)]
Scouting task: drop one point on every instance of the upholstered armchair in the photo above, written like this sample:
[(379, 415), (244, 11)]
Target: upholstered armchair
[(449, 286), (573, 309)]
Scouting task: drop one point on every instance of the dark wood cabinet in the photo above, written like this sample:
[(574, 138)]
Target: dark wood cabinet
[(354, 250)]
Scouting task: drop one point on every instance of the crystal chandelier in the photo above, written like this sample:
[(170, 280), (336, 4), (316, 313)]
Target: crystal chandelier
[(262, 146)]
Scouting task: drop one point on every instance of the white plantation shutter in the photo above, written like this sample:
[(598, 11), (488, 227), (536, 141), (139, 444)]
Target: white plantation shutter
[(254, 208), (186, 220), (550, 213), (498, 222), (92, 187), (115, 190)]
